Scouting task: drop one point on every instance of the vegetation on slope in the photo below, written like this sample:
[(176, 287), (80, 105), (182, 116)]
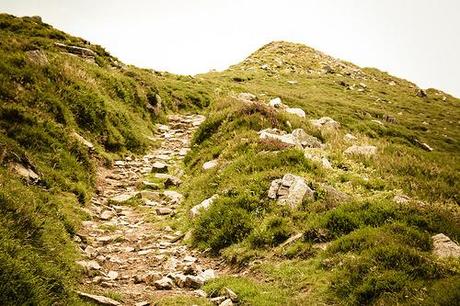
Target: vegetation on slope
[(358, 246), (50, 88)]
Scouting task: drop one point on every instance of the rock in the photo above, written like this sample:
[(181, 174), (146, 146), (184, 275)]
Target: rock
[(291, 239), (278, 135), (179, 279), (349, 137), (245, 96), (122, 198), (296, 111), (378, 122), (194, 282), (325, 123), (208, 274), (333, 195), (443, 246), (83, 141), (159, 167), (227, 302), (361, 150), (101, 300), (90, 251), (164, 284), (218, 300), (319, 159), (84, 52), (89, 265), (195, 211), (162, 211), (401, 199), (106, 215), (305, 140), (210, 164), (276, 103), (148, 278), (231, 295), (142, 303), (150, 195), (200, 293), (172, 181), (173, 196), (24, 172), (426, 147), (293, 82), (112, 275), (290, 190)]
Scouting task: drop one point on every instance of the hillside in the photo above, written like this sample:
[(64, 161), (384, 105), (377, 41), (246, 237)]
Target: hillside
[(324, 182)]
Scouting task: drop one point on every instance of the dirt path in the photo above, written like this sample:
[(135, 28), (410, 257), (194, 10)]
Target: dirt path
[(127, 248)]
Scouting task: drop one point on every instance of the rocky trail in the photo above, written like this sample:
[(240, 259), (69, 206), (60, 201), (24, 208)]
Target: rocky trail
[(128, 249)]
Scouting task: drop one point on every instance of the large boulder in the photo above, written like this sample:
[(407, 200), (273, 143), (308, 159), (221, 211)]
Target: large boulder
[(290, 190)]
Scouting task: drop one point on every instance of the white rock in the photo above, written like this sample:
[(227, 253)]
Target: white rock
[(159, 167), (162, 211), (112, 275), (290, 190), (195, 211), (106, 215), (164, 284), (101, 300), (349, 137), (227, 302), (361, 150), (208, 274), (210, 164), (26, 173), (276, 102), (83, 141), (89, 265), (296, 111)]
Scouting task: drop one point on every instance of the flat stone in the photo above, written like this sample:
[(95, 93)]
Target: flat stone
[(150, 195), (164, 284), (122, 198), (276, 103), (89, 265), (296, 111), (83, 141), (174, 196), (208, 274), (227, 302), (101, 300), (112, 275), (325, 122), (106, 215), (159, 167)]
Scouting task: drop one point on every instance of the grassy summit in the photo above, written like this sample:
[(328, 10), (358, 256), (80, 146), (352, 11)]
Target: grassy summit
[(364, 237)]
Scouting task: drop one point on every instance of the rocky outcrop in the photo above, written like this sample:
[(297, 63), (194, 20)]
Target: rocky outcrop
[(291, 190)]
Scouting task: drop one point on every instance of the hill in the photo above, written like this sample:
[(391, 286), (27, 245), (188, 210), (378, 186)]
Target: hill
[(325, 181)]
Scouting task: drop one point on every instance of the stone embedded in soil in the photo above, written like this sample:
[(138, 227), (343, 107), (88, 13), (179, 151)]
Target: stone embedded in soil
[(443, 246), (210, 164), (150, 195), (164, 284), (106, 215), (162, 211), (122, 198), (227, 302), (89, 265), (361, 150), (101, 300), (195, 210), (173, 196), (159, 167)]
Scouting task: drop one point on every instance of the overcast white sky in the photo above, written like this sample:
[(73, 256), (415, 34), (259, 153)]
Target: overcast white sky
[(414, 39)]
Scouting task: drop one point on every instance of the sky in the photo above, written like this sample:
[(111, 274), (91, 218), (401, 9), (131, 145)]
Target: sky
[(418, 40)]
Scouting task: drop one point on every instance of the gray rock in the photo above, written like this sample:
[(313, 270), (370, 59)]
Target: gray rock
[(231, 295), (276, 103), (162, 211), (194, 282), (106, 215), (278, 135), (122, 198), (306, 140), (164, 284), (195, 211), (443, 246), (227, 302), (89, 265), (24, 172), (101, 300), (210, 164), (218, 300), (361, 150), (325, 123), (290, 190), (83, 141), (349, 137), (173, 196)]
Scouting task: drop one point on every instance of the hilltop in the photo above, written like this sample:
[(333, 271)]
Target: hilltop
[(312, 180)]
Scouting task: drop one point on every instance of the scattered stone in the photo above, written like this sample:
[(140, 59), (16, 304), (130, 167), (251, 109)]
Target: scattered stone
[(163, 211), (112, 275), (298, 137), (200, 293), (231, 295), (195, 211), (325, 123), (296, 111), (218, 300), (291, 239), (101, 300), (444, 247), (401, 199), (349, 137), (26, 173), (361, 150), (84, 52), (83, 141), (150, 185), (173, 196), (150, 195), (305, 140), (147, 278), (210, 164), (227, 302), (122, 198), (89, 265), (290, 190), (194, 282), (421, 93), (142, 303), (164, 284), (333, 195), (208, 274), (90, 251), (276, 103), (245, 96), (378, 122), (172, 181), (159, 167), (106, 215)]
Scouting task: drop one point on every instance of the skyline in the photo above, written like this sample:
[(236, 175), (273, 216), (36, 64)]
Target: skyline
[(413, 40)]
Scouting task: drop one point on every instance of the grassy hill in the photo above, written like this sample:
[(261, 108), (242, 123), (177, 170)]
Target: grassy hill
[(356, 242)]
